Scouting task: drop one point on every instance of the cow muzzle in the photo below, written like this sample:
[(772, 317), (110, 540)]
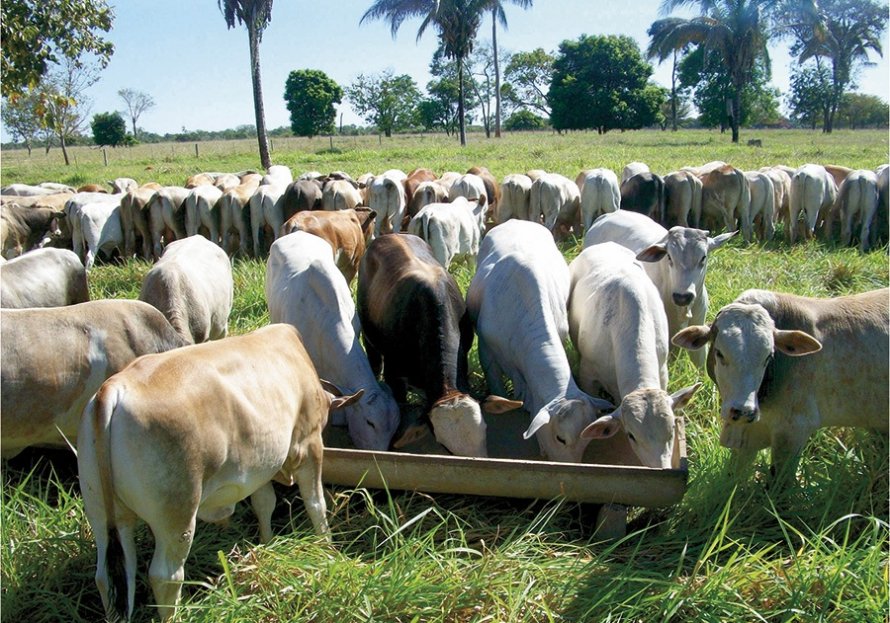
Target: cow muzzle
[(683, 299), (744, 414)]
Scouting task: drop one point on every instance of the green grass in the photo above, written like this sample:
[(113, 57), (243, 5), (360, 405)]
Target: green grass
[(731, 550)]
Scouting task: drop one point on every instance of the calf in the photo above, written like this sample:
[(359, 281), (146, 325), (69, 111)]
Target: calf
[(453, 230), (517, 301), (192, 286), (43, 278), (786, 365), (675, 260), (346, 231), (644, 193), (619, 329), (304, 288), (187, 434), (414, 319), (43, 390)]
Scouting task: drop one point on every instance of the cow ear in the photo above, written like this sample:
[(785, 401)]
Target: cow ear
[(345, 401), (716, 241), (603, 427), (497, 405), (681, 398), (542, 418), (692, 338), (652, 253), (411, 434), (796, 343), (330, 388)]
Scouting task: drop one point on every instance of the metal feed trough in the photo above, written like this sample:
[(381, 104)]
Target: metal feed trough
[(610, 474)]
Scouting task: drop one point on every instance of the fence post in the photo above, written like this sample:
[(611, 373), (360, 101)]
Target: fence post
[(197, 155), (105, 156)]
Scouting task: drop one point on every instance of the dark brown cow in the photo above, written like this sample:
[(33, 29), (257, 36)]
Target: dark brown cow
[(644, 193), (301, 195)]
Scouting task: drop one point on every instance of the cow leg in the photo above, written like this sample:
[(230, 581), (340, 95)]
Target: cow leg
[(494, 374), (309, 481), (167, 570), (263, 503), (787, 443), (740, 461)]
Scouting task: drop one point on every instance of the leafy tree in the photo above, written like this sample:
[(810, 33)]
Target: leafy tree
[(441, 109), (310, 96), (843, 31), (387, 101), (498, 15), (810, 94), (137, 103), (528, 76), (480, 68), (63, 108), (255, 15), (40, 33), (661, 46), (858, 110), (602, 82), (524, 120), (455, 21), (109, 128), (20, 117)]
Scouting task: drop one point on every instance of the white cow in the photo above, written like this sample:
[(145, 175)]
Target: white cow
[(516, 191), (201, 211), (555, 199), (786, 365), (471, 187), (339, 194), (675, 260), (233, 207), (781, 179), (517, 301), (166, 217), (813, 191), (453, 230), (186, 435), (386, 197), (430, 191), (123, 185), (632, 168), (279, 175), (100, 228), (27, 190), (266, 215), (762, 210), (857, 200), (45, 277), (192, 285), (618, 326), (305, 288), (600, 194), (73, 208)]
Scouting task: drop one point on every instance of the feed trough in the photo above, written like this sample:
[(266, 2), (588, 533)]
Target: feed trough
[(610, 475)]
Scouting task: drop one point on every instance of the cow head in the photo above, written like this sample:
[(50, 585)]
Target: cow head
[(647, 417), (743, 342), (373, 420), (686, 252), (458, 425), (559, 424)]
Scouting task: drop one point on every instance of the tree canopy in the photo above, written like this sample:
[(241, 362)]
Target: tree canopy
[(109, 128), (527, 79), (385, 100), (310, 96)]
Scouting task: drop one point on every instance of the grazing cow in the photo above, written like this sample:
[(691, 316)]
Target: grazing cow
[(682, 198), (857, 200), (123, 185), (23, 229), (786, 365), (99, 224), (517, 301), (201, 214), (882, 219), (135, 219), (453, 230), (415, 324), (303, 194), (644, 193), (279, 175), (200, 179), (675, 260), (555, 199), (346, 231), (633, 168), (492, 189), (44, 388), (304, 288), (412, 183), (838, 173), (234, 216), (725, 197), (43, 278), (426, 193), (781, 180), (472, 188), (762, 210), (92, 188), (618, 326), (386, 197), (340, 194), (27, 190), (186, 435), (515, 200), (600, 194), (226, 181), (192, 286), (166, 218), (266, 216), (72, 214), (813, 192)]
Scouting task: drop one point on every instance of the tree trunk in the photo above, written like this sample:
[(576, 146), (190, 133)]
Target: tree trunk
[(460, 102), (736, 110), (134, 127), (497, 75), (674, 94), (262, 138), (64, 148)]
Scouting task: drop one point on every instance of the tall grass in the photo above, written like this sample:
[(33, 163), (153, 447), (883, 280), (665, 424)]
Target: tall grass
[(733, 549)]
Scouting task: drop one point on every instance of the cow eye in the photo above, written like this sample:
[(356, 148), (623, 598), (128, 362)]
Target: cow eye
[(371, 424), (560, 440), (703, 260), (670, 261), (631, 437), (718, 354)]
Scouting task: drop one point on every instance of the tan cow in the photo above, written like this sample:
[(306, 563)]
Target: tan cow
[(45, 387), (347, 231), (682, 199), (857, 201), (762, 210), (135, 219), (726, 197), (234, 216), (189, 434), (412, 182)]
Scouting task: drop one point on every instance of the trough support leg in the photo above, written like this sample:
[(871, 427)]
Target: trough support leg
[(611, 522)]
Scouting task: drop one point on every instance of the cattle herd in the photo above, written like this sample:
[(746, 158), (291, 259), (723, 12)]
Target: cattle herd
[(173, 421)]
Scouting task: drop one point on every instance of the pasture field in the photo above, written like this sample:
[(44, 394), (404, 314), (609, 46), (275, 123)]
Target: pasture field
[(733, 550)]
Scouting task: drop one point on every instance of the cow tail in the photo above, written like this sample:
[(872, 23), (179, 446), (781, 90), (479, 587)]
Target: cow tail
[(99, 411)]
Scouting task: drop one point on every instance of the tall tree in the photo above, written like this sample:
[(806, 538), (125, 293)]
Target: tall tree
[(498, 16), (386, 100), (810, 95), (455, 21), (40, 33), (137, 103), (843, 31), (528, 76), (255, 15)]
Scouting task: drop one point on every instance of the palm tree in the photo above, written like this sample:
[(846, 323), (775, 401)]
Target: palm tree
[(661, 45), (498, 15), (735, 30), (456, 21), (255, 15)]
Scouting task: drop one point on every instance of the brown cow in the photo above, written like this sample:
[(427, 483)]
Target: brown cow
[(23, 229), (347, 231), (415, 179), (135, 218)]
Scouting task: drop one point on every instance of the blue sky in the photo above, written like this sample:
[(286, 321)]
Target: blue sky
[(197, 71)]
